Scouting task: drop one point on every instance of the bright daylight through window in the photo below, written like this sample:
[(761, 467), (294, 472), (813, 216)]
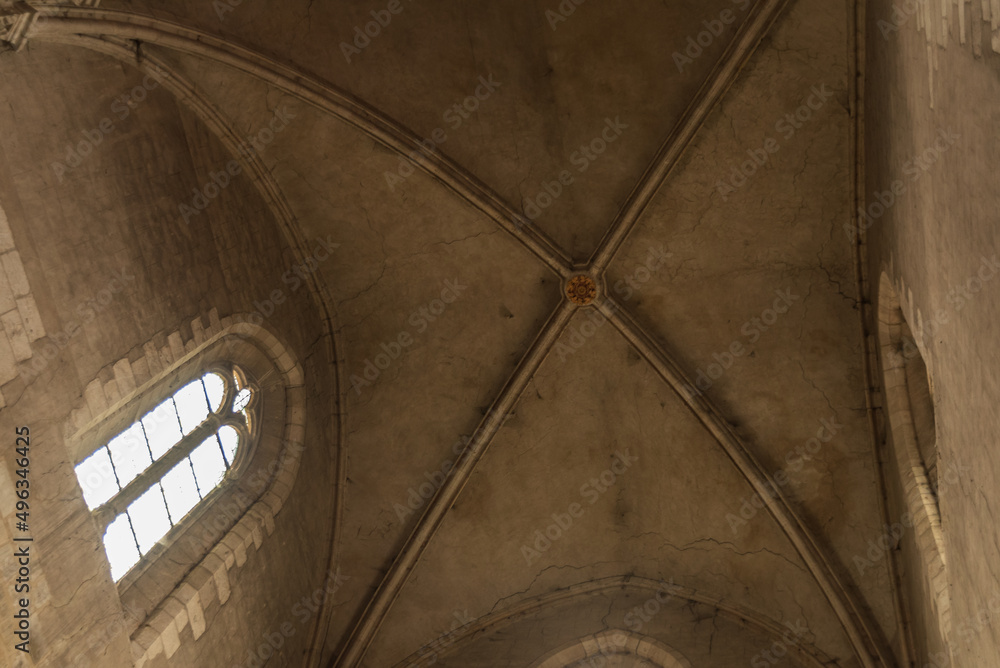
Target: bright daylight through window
[(145, 480)]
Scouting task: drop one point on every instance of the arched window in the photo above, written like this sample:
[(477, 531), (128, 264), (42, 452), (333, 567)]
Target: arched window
[(146, 480), (921, 398), (187, 517), (915, 480)]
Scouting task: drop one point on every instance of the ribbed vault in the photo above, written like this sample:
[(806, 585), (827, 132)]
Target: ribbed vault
[(658, 314)]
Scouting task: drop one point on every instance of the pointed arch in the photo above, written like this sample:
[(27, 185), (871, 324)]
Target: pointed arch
[(614, 642), (908, 396), (191, 566)]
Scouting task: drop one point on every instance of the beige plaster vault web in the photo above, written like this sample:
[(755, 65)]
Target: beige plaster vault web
[(639, 340)]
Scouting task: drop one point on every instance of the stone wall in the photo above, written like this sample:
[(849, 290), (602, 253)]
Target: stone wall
[(106, 285), (932, 195)]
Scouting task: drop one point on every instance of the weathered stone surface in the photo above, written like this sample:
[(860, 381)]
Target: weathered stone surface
[(141, 217)]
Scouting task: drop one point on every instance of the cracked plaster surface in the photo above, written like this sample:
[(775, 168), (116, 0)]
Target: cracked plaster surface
[(727, 260)]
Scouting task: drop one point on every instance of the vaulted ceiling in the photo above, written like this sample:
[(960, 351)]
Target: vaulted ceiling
[(685, 453)]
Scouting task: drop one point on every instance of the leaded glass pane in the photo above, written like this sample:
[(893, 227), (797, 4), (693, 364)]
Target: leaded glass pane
[(180, 490), (129, 454), (230, 440), (241, 400), (97, 478), (120, 546), (192, 405), (209, 467), (215, 388), (163, 429), (149, 518)]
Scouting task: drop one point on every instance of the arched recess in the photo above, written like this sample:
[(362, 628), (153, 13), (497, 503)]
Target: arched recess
[(127, 51), (171, 588), (614, 648), (911, 442), (771, 631)]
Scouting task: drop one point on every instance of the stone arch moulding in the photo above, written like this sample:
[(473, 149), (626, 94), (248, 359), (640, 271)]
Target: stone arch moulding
[(186, 93), (920, 499), (612, 643), (807, 653), (57, 23), (135, 385)]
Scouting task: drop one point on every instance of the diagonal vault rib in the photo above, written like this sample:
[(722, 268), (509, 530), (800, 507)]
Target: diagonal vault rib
[(187, 93), (867, 643), (383, 598), (320, 95), (722, 77)]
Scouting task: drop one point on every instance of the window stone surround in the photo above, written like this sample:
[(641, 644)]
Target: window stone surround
[(125, 390)]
